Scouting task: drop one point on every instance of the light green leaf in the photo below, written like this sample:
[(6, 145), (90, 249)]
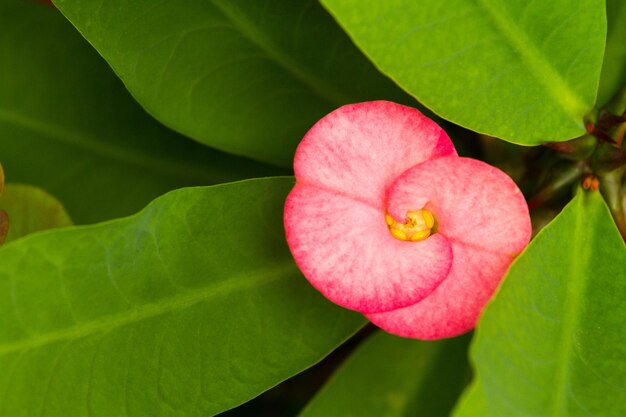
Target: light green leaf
[(613, 76), (392, 377), (31, 209), (243, 76), (551, 343), (523, 71), (68, 125), (4, 218), (191, 307)]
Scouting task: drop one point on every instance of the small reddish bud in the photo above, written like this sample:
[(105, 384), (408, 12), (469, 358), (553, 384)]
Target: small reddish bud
[(590, 182)]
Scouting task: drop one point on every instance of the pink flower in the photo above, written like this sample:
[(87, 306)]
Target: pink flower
[(387, 220)]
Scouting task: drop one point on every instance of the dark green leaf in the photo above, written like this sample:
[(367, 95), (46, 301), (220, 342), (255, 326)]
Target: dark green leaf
[(68, 125), (393, 377), (243, 76), (523, 71), (31, 209), (552, 341), (189, 308), (613, 75)]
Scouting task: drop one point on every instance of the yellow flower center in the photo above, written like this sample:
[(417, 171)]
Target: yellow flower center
[(417, 225)]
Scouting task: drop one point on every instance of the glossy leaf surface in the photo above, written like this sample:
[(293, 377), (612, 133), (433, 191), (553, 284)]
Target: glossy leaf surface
[(552, 341), (243, 76), (31, 209), (68, 125), (190, 307), (393, 377), (526, 72)]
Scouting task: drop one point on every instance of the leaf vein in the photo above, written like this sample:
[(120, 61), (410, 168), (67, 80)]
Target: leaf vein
[(256, 37), (259, 277), (539, 66)]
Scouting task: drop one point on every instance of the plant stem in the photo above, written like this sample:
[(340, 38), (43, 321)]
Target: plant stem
[(561, 180), (613, 191)]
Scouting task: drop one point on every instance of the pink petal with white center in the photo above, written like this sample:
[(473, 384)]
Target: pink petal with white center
[(473, 203), (344, 248), (360, 149), (455, 306)]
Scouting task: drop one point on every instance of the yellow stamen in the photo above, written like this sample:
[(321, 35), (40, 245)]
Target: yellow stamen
[(398, 234), (429, 219), (420, 235), (417, 225)]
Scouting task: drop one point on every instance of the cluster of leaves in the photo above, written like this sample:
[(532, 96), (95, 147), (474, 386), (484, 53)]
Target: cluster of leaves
[(194, 305)]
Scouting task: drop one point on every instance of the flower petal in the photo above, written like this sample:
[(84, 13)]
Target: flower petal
[(359, 149), (344, 248), (473, 202), (454, 307)]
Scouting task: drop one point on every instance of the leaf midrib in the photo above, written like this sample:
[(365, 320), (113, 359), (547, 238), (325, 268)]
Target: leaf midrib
[(258, 38), (541, 69), (257, 278), (103, 149), (575, 289)]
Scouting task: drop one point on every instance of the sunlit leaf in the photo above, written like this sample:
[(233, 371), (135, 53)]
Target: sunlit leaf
[(190, 307), (523, 71), (552, 341)]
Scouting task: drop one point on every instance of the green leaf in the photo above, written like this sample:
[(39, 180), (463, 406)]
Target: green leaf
[(191, 307), (551, 343), (526, 72), (31, 209), (68, 125), (613, 75), (393, 377), (243, 76), (4, 218)]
